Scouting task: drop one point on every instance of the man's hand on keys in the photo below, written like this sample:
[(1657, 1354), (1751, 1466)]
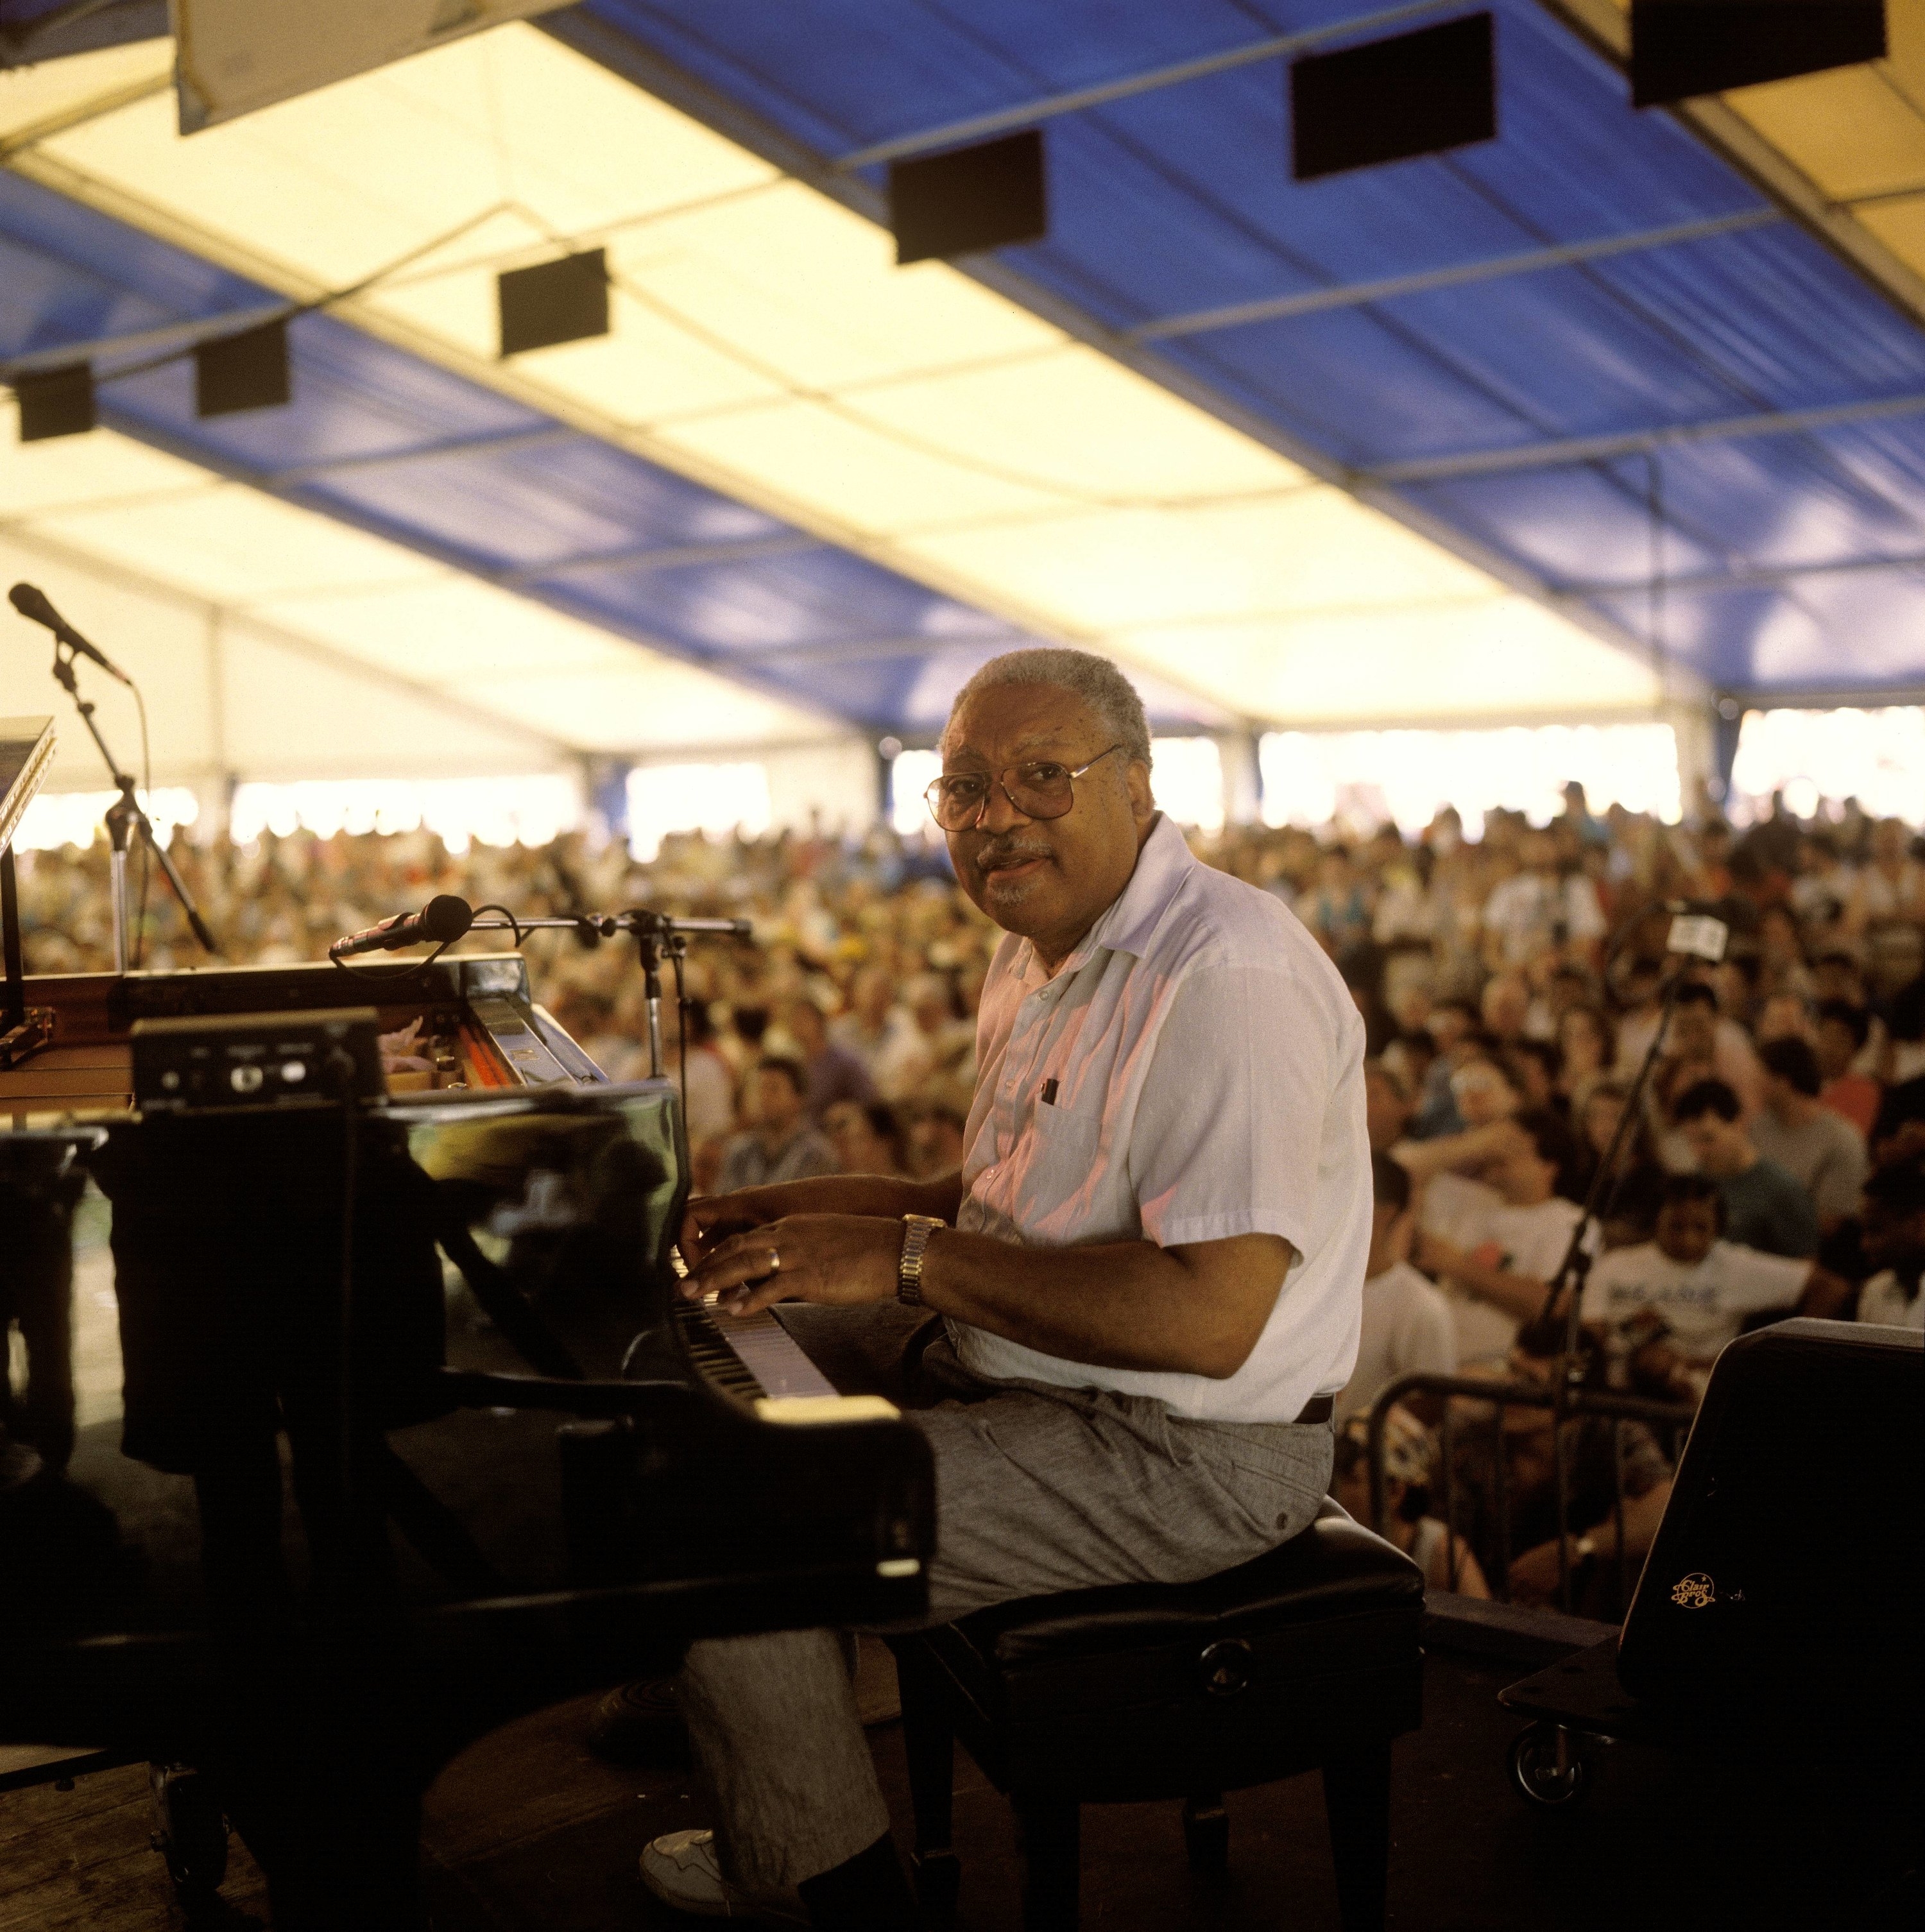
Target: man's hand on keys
[(841, 1259), (711, 1218)]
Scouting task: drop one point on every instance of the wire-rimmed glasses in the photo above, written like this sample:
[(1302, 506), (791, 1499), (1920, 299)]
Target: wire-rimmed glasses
[(1042, 788)]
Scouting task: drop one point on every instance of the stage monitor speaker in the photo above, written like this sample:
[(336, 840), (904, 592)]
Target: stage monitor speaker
[(1680, 48), (1389, 100), (554, 302), (1785, 1578), (55, 402), (247, 371), (969, 199)]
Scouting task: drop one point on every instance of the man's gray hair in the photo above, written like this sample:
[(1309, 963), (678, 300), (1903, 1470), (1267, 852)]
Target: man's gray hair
[(1095, 680)]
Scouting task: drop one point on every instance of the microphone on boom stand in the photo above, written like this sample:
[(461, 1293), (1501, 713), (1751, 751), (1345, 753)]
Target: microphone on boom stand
[(33, 603), (125, 819), (443, 920)]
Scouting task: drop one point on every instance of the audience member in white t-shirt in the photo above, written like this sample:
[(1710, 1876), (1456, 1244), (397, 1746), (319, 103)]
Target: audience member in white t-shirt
[(1410, 1459), (1407, 1325), (1698, 1287), (1493, 1227), (1894, 1243)]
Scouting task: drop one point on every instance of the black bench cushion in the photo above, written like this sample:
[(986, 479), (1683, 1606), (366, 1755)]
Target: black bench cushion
[(1137, 1691), (1335, 1569)]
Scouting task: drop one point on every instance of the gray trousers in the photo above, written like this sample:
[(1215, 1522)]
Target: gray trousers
[(1039, 1490)]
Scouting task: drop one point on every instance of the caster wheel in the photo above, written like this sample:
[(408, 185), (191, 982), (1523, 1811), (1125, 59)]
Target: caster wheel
[(938, 1877), (1206, 1836), (1540, 1779), (190, 1832)]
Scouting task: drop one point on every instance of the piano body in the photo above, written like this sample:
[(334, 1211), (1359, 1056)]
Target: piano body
[(523, 1466)]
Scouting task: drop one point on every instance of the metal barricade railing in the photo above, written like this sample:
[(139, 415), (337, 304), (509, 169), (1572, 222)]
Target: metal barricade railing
[(1672, 1419)]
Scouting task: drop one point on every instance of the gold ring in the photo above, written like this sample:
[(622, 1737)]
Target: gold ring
[(774, 1262)]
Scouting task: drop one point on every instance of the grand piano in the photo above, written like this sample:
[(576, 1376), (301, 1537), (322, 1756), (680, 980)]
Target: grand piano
[(418, 1435)]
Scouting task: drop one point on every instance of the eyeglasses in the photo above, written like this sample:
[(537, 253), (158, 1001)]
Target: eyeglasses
[(1041, 790)]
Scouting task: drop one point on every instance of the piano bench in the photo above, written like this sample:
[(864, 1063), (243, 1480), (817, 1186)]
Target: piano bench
[(1306, 1658)]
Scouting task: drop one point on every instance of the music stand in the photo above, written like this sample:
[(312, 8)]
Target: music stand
[(26, 753)]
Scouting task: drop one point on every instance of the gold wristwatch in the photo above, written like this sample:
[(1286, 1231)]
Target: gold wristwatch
[(917, 1230)]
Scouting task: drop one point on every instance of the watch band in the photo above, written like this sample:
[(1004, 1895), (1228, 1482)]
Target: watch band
[(917, 1231)]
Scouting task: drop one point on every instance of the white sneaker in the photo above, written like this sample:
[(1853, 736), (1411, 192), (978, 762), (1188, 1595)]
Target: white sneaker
[(681, 1870)]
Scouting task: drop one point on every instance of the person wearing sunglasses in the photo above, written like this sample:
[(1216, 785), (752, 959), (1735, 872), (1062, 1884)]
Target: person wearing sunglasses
[(1147, 1276)]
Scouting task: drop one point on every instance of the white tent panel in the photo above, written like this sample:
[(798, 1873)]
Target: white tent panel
[(1318, 550), (225, 696), (451, 630), (1355, 667), (233, 545), (675, 705), (765, 342), (49, 95), (290, 713), (830, 466), (82, 473), (840, 783)]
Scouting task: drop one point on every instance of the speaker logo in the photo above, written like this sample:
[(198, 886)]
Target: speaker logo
[(1694, 1592)]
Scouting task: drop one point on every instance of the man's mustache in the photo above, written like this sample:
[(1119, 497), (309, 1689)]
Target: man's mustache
[(1003, 851)]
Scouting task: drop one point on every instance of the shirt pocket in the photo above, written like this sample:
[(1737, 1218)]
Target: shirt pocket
[(1059, 1160)]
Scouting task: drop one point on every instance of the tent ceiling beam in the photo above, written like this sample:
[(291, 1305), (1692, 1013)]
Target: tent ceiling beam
[(1633, 442), (665, 556), (1763, 577), (496, 444), (180, 335), (1817, 698), (1026, 114), (846, 650), (1316, 301)]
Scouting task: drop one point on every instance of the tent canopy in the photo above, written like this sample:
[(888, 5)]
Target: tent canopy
[(798, 487)]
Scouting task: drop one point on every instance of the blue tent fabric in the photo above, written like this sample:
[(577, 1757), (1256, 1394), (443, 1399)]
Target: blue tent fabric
[(1179, 200)]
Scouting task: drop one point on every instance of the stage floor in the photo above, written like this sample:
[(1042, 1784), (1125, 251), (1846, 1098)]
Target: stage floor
[(527, 1832)]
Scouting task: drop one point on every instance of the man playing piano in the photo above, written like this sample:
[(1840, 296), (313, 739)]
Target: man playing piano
[(1149, 1270)]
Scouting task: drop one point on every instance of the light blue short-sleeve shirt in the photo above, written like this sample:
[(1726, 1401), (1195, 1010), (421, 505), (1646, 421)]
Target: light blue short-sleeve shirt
[(1206, 1062)]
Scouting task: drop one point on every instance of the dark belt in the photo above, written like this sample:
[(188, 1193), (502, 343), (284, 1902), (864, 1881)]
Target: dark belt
[(1318, 1408)]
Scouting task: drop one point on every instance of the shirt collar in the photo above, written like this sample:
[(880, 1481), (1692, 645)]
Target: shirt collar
[(1133, 916)]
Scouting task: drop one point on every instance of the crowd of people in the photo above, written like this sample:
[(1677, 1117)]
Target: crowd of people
[(1513, 986)]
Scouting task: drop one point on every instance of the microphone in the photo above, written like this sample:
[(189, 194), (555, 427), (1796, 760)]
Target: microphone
[(443, 920), (32, 602)]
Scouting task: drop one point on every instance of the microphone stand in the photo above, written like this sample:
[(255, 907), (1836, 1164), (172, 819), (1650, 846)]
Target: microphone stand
[(1574, 1269), (125, 818), (656, 934)]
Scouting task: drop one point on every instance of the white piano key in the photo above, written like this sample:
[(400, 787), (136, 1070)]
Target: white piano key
[(764, 1347)]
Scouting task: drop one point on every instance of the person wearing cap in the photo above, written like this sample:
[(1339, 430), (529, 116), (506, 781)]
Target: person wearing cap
[(1410, 1467)]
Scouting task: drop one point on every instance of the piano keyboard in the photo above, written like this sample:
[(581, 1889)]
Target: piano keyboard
[(750, 1356)]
